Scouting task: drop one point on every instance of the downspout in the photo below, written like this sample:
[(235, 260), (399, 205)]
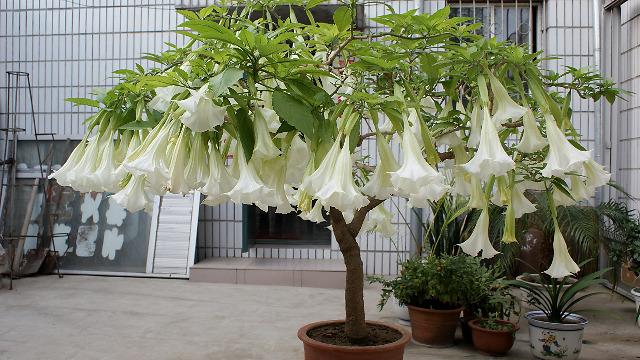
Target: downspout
[(416, 217)]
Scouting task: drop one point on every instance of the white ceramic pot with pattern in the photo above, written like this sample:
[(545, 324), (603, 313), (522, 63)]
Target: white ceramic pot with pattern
[(553, 341)]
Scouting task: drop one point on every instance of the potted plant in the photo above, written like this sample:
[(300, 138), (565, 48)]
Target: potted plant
[(492, 332), (285, 102), (435, 302), (554, 331)]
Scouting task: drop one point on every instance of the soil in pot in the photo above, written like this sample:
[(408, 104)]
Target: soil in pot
[(334, 334), (495, 338), (326, 340), (435, 328)]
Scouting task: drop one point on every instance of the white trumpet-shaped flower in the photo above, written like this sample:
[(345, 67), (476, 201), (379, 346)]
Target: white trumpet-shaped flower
[(81, 178), (491, 158), (502, 191), (521, 205), (379, 185), (415, 178), (475, 126), (479, 240), (134, 197), (298, 157), (63, 175), (562, 199), (532, 139), (151, 158), (179, 180), (477, 199), (201, 114), (563, 157), (249, 189), (219, 182), (340, 191), (197, 171), (504, 107), (312, 183), (105, 177), (271, 117), (595, 175), (273, 174), (164, 96), (509, 230), (579, 190), (562, 264), (315, 215), (264, 148), (379, 220)]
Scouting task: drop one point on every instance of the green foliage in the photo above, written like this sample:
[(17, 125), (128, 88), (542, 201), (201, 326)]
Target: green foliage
[(553, 299), (428, 282)]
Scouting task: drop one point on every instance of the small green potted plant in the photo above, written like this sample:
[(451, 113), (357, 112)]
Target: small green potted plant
[(492, 332), (434, 300), (554, 331)]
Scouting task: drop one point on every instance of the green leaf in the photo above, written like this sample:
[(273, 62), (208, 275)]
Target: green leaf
[(220, 83), (314, 3), (137, 125), (212, 30), (84, 101), (246, 134), (295, 112), (343, 18)]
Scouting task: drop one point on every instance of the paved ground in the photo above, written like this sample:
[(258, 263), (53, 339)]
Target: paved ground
[(88, 318)]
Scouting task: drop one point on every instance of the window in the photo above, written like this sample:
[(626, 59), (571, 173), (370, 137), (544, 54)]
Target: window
[(269, 228), (514, 22)]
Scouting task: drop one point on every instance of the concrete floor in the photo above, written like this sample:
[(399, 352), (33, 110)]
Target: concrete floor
[(88, 318)]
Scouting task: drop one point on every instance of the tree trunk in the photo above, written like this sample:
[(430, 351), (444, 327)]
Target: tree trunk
[(355, 325), (345, 234)]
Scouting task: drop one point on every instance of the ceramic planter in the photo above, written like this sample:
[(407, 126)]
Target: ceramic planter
[(316, 350), (555, 341), (434, 328), (492, 342), (635, 292)]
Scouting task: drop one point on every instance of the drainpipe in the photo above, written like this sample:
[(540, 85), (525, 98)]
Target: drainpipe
[(597, 111), (416, 218)]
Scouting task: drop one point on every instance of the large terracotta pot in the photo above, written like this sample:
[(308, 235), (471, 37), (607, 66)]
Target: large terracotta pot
[(435, 328), (493, 342), (316, 350)]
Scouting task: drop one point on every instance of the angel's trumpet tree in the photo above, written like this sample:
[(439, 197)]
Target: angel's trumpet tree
[(296, 118)]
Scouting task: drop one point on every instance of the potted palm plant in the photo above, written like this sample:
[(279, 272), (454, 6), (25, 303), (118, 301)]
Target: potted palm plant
[(554, 331)]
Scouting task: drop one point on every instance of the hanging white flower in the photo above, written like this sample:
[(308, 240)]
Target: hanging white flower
[(563, 157), (81, 178), (273, 174), (249, 189), (315, 215), (595, 175), (428, 105), (479, 239), (340, 191), (63, 175), (532, 139), (415, 177), (477, 199), (504, 107), (297, 160), (134, 197), (197, 170), (579, 190), (562, 264), (312, 183), (562, 199), (502, 191), (179, 180), (491, 158), (264, 148), (164, 96), (509, 230), (151, 158), (201, 114), (105, 177), (271, 117), (219, 182), (475, 125), (379, 220), (521, 205), (379, 185)]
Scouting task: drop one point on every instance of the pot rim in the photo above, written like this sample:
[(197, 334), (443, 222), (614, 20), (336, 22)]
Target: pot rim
[(473, 324), (457, 310), (302, 335), (533, 318), (636, 292)]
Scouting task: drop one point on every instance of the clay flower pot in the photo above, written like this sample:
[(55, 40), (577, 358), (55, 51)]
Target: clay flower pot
[(434, 328), (316, 350), (493, 342)]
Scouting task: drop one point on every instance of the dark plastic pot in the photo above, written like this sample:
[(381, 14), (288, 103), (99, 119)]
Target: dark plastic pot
[(316, 350), (493, 342), (435, 328)]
